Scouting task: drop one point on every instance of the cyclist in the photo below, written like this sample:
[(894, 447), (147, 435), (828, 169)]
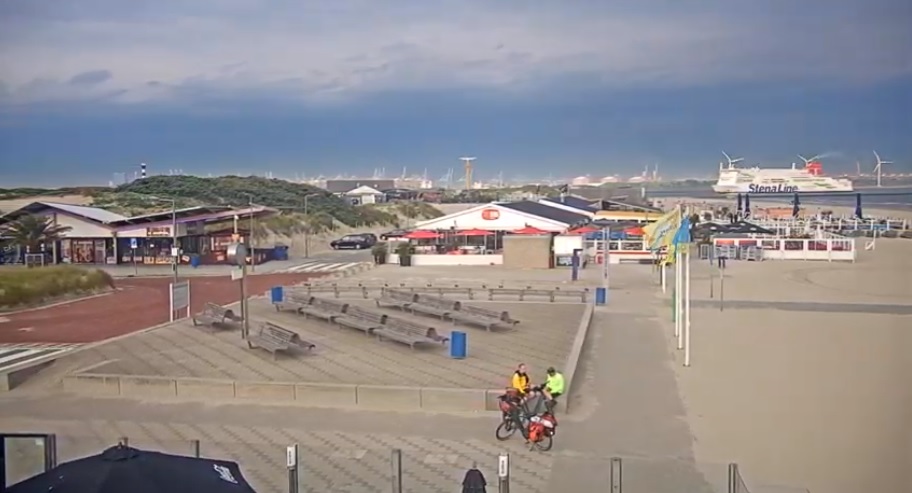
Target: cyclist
[(554, 386), (520, 380)]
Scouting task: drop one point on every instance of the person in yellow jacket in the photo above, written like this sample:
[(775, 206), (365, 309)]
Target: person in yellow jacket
[(520, 380)]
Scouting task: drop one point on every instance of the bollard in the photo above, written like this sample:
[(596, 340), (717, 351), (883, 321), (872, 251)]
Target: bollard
[(291, 462), (503, 473), (615, 476), (601, 296), (733, 478), (396, 473), (195, 444)]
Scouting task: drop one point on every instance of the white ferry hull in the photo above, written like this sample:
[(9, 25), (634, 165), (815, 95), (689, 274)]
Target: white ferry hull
[(780, 188)]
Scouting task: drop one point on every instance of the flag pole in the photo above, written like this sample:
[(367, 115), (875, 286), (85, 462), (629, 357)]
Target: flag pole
[(687, 303), (679, 285), (679, 298)]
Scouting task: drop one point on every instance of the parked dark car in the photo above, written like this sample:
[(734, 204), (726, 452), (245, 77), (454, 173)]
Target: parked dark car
[(357, 242), (396, 233)]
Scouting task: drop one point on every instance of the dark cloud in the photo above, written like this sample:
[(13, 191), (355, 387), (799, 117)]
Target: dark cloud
[(90, 78)]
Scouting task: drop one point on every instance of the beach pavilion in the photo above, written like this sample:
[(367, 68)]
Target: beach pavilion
[(99, 236)]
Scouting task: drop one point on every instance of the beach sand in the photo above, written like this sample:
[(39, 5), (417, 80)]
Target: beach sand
[(805, 378)]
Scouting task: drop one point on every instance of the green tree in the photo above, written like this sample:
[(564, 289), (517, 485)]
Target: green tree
[(30, 232)]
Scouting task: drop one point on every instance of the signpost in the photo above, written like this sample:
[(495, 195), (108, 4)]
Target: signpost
[(237, 253), (133, 246), (179, 298)]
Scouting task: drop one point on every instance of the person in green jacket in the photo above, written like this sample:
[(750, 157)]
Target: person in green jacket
[(554, 384)]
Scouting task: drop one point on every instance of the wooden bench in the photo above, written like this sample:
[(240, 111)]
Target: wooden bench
[(274, 338), (359, 318), (503, 316), (488, 319), (441, 291), (551, 294), (396, 298), (214, 315), (521, 293), (324, 309), (293, 300), (408, 332), (432, 305)]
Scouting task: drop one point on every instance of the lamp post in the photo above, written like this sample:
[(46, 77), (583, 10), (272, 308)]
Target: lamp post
[(175, 250), (250, 239), (307, 230)]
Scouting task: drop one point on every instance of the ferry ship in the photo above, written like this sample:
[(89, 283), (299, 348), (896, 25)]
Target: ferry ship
[(809, 179)]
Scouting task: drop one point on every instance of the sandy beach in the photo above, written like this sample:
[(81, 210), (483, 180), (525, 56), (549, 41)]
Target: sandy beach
[(805, 378)]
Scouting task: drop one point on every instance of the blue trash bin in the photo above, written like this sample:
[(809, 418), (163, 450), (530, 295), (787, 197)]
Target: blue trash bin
[(195, 261), (601, 296), (458, 345), (280, 252), (276, 294)]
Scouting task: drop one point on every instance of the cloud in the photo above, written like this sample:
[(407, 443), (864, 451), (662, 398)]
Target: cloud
[(331, 51), (90, 78)]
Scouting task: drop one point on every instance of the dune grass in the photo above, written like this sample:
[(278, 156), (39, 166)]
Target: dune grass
[(21, 287)]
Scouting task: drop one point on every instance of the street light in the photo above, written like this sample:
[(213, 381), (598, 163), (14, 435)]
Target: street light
[(307, 230)]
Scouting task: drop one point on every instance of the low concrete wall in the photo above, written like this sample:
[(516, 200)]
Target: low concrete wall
[(310, 394), (572, 364)]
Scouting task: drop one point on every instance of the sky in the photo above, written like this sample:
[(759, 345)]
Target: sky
[(531, 88)]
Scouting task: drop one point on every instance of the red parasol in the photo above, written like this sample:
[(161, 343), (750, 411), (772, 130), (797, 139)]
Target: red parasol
[(530, 230), (474, 232), (635, 231), (421, 235), (582, 230)]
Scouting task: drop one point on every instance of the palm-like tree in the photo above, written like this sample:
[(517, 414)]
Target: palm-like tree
[(30, 232)]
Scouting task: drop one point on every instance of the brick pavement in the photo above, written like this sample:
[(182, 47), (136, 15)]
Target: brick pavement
[(330, 460), (137, 304)]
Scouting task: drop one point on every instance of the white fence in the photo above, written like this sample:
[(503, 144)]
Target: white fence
[(788, 226), (775, 248)]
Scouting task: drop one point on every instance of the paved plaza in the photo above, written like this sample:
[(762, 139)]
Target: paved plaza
[(772, 367), (543, 338)]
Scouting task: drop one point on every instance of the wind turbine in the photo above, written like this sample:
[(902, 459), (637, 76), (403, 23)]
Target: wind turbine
[(879, 167), (731, 162), (808, 161)]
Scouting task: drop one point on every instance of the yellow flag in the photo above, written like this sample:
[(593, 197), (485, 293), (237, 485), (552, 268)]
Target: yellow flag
[(661, 233)]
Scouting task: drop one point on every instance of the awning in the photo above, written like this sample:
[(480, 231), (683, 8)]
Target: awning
[(422, 235), (474, 232), (530, 230)]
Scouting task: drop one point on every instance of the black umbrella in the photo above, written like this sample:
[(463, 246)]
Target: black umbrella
[(795, 209), (747, 205), (122, 469), (858, 206), (739, 204)]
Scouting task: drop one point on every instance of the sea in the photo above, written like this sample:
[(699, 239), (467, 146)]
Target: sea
[(896, 198)]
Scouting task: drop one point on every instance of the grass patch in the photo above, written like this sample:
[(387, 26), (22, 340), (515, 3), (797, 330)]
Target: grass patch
[(20, 286)]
